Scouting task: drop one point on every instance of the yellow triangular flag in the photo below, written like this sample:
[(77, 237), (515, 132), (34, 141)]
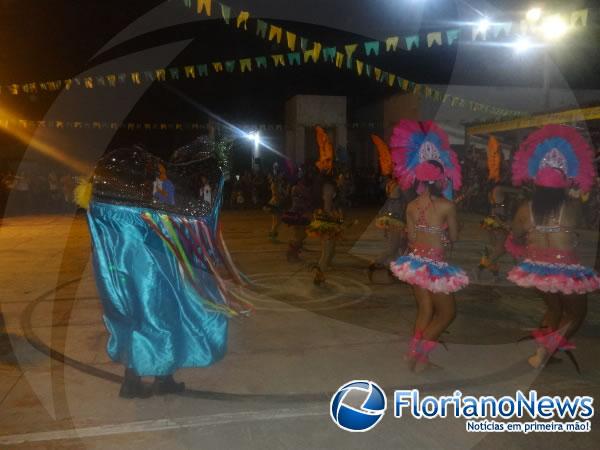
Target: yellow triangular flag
[(339, 60), (291, 40), (377, 72), (204, 5), (190, 72), (218, 66), (350, 49), (359, 66), (391, 79), (391, 43), (275, 33), (243, 19)]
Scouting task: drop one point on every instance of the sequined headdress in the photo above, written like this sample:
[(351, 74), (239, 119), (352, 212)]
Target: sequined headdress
[(414, 145), (555, 156)]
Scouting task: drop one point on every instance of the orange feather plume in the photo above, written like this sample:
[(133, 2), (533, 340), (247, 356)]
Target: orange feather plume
[(494, 159), (325, 162), (385, 158)]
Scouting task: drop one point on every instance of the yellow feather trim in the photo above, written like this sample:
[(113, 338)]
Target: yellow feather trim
[(83, 192)]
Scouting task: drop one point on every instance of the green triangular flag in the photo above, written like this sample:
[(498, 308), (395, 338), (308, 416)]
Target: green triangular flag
[(226, 13)]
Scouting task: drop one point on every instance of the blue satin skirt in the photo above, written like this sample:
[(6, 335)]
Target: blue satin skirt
[(156, 320)]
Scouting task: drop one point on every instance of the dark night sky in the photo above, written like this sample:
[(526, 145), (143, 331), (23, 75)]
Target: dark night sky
[(55, 39)]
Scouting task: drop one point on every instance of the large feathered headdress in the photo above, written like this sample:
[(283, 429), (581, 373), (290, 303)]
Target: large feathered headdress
[(385, 158), (555, 156), (326, 155), (414, 145)]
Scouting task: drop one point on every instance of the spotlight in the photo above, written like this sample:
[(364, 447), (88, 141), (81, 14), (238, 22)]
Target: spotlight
[(554, 27), (534, 15), (254, 136), (521, 45), (483, 25)]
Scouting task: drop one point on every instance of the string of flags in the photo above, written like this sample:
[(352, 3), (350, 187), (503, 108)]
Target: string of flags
[(331, 55), (299, 50), (447, 37), (26, 124)]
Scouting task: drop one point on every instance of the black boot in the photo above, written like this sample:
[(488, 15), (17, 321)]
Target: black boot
[(167, 385), (133, 387)]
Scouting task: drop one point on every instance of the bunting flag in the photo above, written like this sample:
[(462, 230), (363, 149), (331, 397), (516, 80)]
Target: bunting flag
[(291, 40), (261, 28), (204, 6), (190, 71), (261, 62), (230, 66), (452, 36), (391, 44), (243, 19), (278, 60), (579, 18), (412, 42), (434, 38), (372, 48), (226, 13), (202, 70), (339, 60), (329, 54), (359, 67), (246, 64), (275, 33), (303, 43), (294, 59)]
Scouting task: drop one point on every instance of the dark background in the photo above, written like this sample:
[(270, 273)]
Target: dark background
[(56, 39)]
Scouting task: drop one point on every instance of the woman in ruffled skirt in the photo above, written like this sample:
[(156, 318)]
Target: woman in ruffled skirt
[(555, 159), (423, 159)]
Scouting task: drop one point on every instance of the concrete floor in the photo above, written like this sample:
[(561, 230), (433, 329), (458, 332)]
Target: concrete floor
[(58, 389)]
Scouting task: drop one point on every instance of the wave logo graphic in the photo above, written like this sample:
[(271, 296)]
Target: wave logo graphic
[(358, 406)]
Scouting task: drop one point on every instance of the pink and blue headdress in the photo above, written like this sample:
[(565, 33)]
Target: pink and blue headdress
[(555, 156), (414, 145)]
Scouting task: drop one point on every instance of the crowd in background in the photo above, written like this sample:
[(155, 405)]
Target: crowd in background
[(34, 192)]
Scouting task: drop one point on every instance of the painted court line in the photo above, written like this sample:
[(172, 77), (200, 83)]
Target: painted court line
[(149, 426)]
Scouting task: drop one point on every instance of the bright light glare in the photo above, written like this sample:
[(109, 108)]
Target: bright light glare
[(255, 137), (554, 28), (483, 26), (534, 15), (522, 44)]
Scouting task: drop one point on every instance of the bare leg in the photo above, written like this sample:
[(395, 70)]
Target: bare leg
[(296, 243), (551, 322), (327, 250), (444, 307), (554, 311), (574, 309), (498, 249), (424, 308)]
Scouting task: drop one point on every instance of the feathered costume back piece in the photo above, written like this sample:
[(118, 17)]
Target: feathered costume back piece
[(385, 158), (551, 149), (414, 143), (494, 159), (326, 155)]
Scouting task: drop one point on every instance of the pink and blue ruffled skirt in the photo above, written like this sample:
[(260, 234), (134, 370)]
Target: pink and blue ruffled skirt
[(568, 279), (429, 271)]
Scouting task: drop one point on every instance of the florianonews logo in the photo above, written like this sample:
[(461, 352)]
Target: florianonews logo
[(358, 406)]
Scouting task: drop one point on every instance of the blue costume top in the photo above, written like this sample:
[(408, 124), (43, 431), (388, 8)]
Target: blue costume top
[(169, 196)]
